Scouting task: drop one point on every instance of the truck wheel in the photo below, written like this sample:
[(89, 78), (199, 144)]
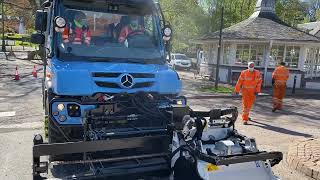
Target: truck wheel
[(55, 136), (184, 169)]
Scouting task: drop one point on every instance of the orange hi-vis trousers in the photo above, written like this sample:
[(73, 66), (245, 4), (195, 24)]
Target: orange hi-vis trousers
[(280, 77), (248, 99), (279, 91)]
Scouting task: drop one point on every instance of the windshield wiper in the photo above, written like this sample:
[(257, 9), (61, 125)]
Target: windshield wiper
[(145, 61), (100, 59), (126, 60)]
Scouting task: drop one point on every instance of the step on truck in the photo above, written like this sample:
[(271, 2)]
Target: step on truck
[(113, 108)]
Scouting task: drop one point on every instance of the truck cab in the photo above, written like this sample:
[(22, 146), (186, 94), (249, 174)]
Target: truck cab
[(101, 51)]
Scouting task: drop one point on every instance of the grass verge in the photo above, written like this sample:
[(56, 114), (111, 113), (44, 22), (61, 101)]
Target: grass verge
[(221, 89), (46, 127)]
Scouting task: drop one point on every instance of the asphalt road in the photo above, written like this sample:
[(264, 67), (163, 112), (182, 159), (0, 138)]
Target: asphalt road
[(21, 117)]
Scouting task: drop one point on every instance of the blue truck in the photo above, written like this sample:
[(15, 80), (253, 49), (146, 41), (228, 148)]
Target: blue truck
[(112, 105), (106, 77), (105, 67)]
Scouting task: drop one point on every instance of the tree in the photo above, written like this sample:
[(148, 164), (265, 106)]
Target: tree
[(187, 19), (313, 10), (292, 12), (191, 19)]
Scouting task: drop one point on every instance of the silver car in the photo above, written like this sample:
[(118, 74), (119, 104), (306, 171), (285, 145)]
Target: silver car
[(180, 61)]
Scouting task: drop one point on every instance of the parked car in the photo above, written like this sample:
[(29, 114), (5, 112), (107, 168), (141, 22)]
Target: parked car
[(180, 61)]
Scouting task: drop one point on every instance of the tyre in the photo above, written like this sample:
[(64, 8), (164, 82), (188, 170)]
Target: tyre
[(55, 136), (184, 169)]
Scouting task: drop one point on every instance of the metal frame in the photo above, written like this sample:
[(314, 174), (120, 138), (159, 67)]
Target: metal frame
[(45, 149), (274, 157)]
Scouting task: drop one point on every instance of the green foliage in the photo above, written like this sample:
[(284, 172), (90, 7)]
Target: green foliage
[(188, 20), (313, 10), (292, 12), (46, 127), (221, 89), (317, 15)]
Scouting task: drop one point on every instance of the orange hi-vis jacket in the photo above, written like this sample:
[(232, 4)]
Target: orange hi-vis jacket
[(249, 82), (280, 75), (76, 35)]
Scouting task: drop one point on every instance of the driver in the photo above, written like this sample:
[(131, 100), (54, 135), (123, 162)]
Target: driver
[(77, 31), (133, 28)]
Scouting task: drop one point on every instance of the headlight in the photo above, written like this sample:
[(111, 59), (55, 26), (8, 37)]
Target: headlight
[(60, 107), (179, 102), (74, 110)]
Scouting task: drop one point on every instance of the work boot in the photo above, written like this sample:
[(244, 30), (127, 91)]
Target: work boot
[(245, 123)]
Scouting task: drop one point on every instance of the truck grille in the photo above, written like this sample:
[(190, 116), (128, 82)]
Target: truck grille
[(104, 83), (114, 85), (107, 75), (115, 75), (107, 85)]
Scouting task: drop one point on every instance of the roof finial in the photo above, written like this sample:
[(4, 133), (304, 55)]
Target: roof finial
[(266, 6)]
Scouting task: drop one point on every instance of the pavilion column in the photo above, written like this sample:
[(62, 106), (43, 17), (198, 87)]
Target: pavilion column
[(233, 54), (302, 57), (211, 61), (232, 60), (266, 62)]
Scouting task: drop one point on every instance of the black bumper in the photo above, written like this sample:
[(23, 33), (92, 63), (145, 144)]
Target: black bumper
[(149, 163)]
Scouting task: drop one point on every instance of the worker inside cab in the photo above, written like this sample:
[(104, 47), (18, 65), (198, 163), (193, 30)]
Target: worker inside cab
[(77, 30), (113, 29), (132, 29), (95, 34)]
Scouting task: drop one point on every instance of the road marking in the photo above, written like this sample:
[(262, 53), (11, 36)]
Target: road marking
[(30, 125), (7, 114)]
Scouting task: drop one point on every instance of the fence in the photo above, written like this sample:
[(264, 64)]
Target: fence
[(20, 44)]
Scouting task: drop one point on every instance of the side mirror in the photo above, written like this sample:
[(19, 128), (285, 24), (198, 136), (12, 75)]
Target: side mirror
[(41, 20), (38, 39)]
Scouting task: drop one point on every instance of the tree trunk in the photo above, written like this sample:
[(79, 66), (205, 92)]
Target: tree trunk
[(241, 11)]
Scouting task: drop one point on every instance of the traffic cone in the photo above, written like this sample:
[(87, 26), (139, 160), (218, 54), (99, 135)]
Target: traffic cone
[(34, 72), (17, 75)]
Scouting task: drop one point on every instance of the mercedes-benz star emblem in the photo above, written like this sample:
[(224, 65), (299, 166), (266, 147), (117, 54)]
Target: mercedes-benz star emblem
[(126, 81)]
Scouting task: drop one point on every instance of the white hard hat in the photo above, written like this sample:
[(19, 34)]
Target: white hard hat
[(250, 63)]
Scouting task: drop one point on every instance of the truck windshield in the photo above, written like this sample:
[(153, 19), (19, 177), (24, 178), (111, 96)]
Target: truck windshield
[(97, 34)]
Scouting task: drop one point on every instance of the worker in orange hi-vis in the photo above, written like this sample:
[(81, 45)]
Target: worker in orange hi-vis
[(249, 83), (280, 77)]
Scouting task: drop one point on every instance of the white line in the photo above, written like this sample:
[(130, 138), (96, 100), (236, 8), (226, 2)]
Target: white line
[(7, 114), (30, 125)]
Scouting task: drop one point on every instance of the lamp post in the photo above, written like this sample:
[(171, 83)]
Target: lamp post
[(2, 18), (216, 83)]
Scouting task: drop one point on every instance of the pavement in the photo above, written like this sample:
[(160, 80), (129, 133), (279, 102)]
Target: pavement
[(304, 156), (21, 116), (296, 126)]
